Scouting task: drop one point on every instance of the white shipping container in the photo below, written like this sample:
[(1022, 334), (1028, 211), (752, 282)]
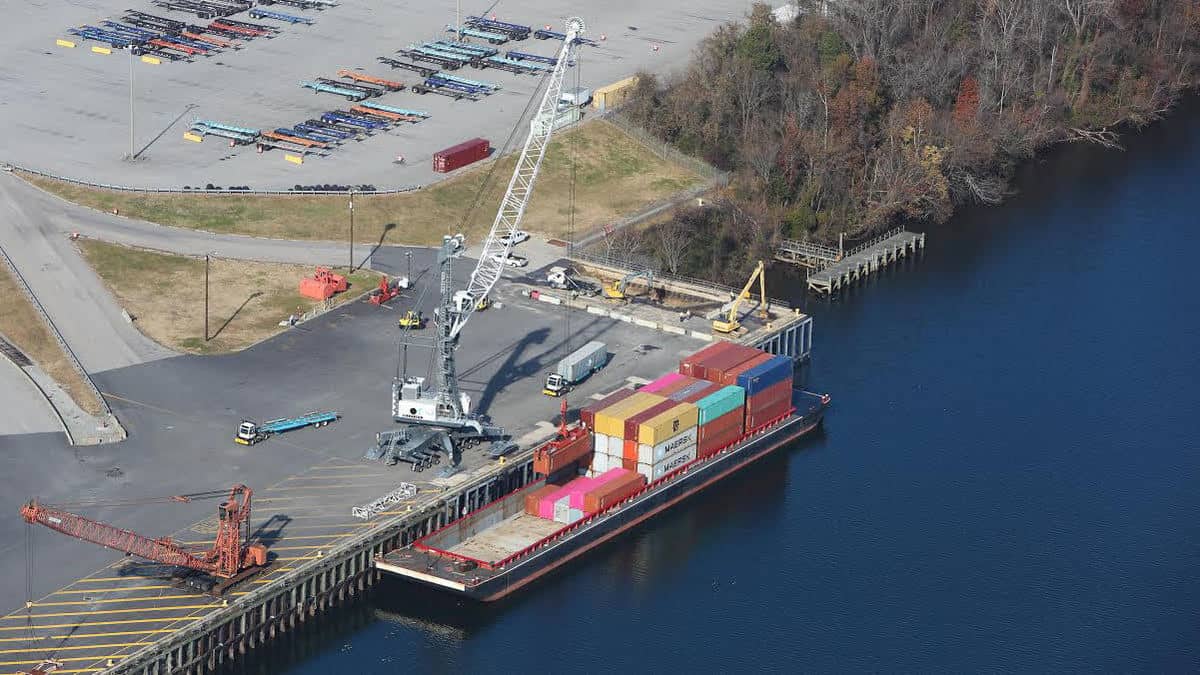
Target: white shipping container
[(562, 511), (575, 515), (599, 462), (600, 443), (653, 454), (668, 464)]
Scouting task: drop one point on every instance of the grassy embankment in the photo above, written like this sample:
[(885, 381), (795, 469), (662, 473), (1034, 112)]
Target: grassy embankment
[(24, 328), (247, 300), (615, 176)]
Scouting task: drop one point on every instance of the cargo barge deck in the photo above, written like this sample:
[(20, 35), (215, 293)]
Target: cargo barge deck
[(499, 549)]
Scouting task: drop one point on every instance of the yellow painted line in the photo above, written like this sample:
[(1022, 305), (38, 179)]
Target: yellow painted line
[(326, 467), (77, 636), (101, 50), (287, 538), (79, 647), (294, 159), (93, 579), (97, 602), (195, 138), (80, 670), (152, 60), (64, 660), (339, 476), (65, 43), (46, 626), (110, 590), (21, 617), (337, 486)]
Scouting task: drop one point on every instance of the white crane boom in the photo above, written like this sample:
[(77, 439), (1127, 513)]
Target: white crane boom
[(520, 187)]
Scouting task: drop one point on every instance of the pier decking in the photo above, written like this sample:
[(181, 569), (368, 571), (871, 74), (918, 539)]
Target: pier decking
[(865, 259)]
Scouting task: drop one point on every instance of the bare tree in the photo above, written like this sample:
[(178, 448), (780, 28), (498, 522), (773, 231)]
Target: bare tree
[(760, 147), (624, 246), (1081, 12), (673, 239)]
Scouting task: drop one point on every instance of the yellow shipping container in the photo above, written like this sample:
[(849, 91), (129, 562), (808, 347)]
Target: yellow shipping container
[(614, 94), (668, 424), (611, 420)]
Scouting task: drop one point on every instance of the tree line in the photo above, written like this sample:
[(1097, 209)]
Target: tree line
[(863, 114)]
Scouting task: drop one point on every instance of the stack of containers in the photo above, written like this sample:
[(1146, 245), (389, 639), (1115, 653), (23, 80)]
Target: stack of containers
[(557, 504), (664, 441), (768, 390), (609, 430), (611, 487), (721, 419), (587, 414), (582, 497)]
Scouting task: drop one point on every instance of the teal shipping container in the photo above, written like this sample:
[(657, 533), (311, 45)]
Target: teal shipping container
[(724, 400)]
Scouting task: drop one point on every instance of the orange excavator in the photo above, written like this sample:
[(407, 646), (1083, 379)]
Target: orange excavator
[(230, 559)]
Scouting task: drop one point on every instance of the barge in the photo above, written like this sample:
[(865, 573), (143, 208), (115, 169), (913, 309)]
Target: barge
[(500, 548)]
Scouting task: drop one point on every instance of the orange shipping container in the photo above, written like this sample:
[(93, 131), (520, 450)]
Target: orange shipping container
[(612, 492), (533, 498), (556, 455), (668, 424), (730, 376), (611, 420)]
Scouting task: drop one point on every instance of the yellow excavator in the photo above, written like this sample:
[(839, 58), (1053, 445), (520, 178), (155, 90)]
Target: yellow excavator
[(731, 324), (616, 290)]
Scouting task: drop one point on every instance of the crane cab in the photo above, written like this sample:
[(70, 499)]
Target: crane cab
[(247, 433), (556, 385)]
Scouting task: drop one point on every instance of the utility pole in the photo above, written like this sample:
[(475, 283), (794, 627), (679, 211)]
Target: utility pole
[(131, 148), (408, 255), (352, 230), (206, 297)]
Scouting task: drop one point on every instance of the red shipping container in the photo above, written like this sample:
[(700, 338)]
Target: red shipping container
[(532, 499), (587, 414), (715, 442), (717, 368), (693, 366), (460, 155), (769, 397), (757, 419), (632, 423), (731, 375), (730, 420), (555, 455), (613, 491)]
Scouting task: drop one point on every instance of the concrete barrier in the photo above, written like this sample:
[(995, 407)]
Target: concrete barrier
[(677, 330), (591, 309), (702, 336), (101, 50), (294, 159), (646, 324), (65, 43)]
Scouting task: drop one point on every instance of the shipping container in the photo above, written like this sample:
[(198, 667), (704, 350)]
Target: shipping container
[(613, 95), (562, 511), (684, 382), (625, 484), (534, 498), (712, 442), (548, 458), (611, 420), (587, 414), (630, 430), (650, 454), (720, 402), (546, 505), (781, 391), (767, 414), (599, 462), (578, 488), (731, 375), (667, 464), (667, 424), (629, 464), (583, 362), (777, 369), (460, 155), (718, 367), (629, 449), (661, 382), (694, 386), (693, 365)]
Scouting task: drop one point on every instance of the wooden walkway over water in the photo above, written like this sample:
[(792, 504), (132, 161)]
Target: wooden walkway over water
[(835, 270)]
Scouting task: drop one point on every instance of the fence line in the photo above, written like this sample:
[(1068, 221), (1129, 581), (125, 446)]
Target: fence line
[(198, 190), (663, 149), (37, 305)]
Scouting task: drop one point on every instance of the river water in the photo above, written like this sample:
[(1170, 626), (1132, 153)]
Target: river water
[(1008, 478)]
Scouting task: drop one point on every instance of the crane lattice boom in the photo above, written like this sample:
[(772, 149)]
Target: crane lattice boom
[(227, 557)]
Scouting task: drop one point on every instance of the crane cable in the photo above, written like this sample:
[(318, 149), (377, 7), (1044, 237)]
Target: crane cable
[(571, 205)]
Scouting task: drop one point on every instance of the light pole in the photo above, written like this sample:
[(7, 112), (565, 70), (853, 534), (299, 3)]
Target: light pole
[(206, 297), (352, 230), (408, 255), (131, 149)]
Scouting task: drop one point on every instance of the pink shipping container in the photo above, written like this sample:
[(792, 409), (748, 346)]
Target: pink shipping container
[(661, 382), (546, 506), (461, 155)]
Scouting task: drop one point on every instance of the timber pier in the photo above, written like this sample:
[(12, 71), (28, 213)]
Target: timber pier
[(832, 269)]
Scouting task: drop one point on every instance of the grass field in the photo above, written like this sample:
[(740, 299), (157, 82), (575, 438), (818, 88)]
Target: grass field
[(165, 294), (615, 176), (24, 328)]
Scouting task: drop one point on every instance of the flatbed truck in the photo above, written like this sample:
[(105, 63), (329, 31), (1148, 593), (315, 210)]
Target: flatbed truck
[(250, 432)]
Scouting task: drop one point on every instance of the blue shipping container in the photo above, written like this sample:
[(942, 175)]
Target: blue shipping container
[(725, 400), (761, 377)]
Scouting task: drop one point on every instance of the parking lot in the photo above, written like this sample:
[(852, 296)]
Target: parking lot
[(66, 110)]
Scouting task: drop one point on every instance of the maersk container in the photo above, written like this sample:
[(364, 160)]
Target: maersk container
[(693, 365), (661, 382), (721, 402), (731, 375), (775, 370), (611, 421), (651, 454), (668, 424), (667, 464), (632, 423), (587, 414), (583, 362), (717, 368)]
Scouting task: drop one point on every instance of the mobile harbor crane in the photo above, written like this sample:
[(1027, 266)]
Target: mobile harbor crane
[(444, 406), (731, 324), (230, 559)]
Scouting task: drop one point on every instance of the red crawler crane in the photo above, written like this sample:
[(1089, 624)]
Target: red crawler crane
[(229, 556)]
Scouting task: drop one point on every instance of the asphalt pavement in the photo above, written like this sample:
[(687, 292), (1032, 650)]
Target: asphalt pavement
[(26, 411)]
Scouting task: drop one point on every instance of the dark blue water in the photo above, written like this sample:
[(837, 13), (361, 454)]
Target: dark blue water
[(1008, 481)]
